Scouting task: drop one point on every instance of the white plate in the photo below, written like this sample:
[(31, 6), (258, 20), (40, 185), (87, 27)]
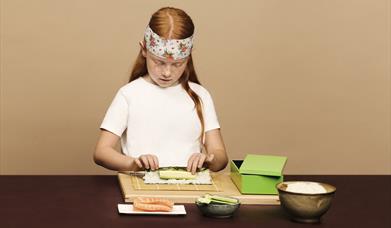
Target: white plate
[(128, 209)]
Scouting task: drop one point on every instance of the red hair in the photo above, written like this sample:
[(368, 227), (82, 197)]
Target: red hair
[(173, 23)]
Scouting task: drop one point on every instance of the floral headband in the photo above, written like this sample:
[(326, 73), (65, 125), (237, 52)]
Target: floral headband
[(169, 49)]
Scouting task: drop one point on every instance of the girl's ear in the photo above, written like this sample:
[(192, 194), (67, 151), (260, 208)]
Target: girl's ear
[(143, 49)]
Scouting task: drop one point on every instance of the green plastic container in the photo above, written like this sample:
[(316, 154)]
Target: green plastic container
[(258, 174)]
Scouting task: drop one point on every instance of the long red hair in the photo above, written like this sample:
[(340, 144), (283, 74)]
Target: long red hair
[(162, 22)]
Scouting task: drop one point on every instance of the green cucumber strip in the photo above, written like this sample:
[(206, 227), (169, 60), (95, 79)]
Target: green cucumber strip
[(224, 199), (203, 200), (222, 202), (176, 174), (207, 198)]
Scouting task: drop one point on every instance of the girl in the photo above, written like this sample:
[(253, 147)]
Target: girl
[(163, 114)]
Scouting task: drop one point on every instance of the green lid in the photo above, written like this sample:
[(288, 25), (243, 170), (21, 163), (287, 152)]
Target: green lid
[(263, 165)]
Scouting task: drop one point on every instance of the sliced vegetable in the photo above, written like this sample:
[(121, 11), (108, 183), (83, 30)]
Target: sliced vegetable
[(207, 199), (176, 174), (204, 200)]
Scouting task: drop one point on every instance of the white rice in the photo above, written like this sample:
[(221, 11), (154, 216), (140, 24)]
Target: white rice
[(305, 187), (153, 177)]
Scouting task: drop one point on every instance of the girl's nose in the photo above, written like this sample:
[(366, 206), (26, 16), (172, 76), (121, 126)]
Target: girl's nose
[(167, 71)]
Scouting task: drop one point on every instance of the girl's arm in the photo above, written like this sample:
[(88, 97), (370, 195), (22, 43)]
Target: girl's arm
[(105, 155), (214, 145)]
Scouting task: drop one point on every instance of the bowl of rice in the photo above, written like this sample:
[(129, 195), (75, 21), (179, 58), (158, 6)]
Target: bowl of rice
[(305, 201)]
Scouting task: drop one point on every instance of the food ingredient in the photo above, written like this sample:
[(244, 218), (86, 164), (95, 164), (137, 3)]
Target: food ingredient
[(305, 187), (208, 198), (160, 177), (152, 204), (176, 174)]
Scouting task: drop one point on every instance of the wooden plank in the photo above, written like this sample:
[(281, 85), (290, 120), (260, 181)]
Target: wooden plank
[(222, 179)]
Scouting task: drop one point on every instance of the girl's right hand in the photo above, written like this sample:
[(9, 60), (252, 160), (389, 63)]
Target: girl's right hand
[(147, 161)]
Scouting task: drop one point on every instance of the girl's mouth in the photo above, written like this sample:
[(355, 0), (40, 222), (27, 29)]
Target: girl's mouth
[(165, 80)]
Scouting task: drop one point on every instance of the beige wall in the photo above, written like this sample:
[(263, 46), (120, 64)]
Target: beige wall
[(306, 79)]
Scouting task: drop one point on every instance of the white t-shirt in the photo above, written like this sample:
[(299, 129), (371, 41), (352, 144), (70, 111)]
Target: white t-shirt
[(160, 121)]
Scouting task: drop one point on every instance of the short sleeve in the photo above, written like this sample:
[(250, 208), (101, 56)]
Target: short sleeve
[(116, 117), (210, 116)]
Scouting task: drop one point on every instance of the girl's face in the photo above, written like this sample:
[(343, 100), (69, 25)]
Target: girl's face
[(164, 72)]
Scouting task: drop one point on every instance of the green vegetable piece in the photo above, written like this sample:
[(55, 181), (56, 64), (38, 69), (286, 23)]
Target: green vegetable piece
[(224, 199), (176, 174), (207, 199), (204, 200), (208, 196)]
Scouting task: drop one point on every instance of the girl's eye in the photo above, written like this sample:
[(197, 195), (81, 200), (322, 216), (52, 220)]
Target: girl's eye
[(178, 64)]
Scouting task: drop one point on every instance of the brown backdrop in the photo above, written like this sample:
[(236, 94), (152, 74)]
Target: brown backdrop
[(306, 79)]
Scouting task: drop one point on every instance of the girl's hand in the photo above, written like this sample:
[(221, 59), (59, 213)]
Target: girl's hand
[(196, 160), (147, 161)]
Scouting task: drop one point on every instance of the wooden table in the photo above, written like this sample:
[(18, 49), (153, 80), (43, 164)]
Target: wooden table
[(91, 201)]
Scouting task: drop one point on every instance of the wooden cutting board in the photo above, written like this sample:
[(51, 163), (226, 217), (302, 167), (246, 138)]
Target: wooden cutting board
[(223, 180)]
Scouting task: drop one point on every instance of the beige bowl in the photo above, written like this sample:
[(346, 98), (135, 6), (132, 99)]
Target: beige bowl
[(305, 207)]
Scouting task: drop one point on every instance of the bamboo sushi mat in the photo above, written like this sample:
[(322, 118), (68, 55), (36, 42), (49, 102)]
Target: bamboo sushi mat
[(138, 184)]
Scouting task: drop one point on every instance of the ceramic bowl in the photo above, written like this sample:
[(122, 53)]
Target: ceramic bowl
[(305, 207), (217, 210)]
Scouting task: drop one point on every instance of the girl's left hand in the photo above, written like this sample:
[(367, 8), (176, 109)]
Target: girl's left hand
[(196, 160)]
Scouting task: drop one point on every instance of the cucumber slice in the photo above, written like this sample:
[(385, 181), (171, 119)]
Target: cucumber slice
[(176, 174), (224, 199), (207, 199), (203, 200)]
